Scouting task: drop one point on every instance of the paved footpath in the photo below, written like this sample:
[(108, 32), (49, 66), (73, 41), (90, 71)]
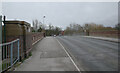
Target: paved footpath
[(48, 55), (104, 38)]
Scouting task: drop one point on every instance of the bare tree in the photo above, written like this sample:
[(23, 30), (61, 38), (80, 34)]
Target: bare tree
[(35, 24)]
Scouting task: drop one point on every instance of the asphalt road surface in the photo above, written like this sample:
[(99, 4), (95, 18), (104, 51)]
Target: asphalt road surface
[(91, 54)]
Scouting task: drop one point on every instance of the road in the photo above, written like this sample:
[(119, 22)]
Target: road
[(91, 54)]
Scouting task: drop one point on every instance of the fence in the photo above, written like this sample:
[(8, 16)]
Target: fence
[(0, 42), (10, 54), (25, 42)]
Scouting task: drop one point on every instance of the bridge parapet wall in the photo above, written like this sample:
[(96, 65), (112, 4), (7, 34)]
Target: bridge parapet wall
[(110, 33)]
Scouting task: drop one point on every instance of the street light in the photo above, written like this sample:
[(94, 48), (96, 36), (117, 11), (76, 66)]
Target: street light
[(43, 19), (44, 28)]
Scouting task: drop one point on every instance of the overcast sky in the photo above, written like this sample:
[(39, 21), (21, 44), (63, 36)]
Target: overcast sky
[(63, 13)]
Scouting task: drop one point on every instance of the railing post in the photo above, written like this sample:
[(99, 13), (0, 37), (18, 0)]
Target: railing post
[(18, 52), (0, 42), (11, 58), (11, 52), (6, 55)]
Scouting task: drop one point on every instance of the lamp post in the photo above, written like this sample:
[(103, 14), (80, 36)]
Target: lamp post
[(43, 19), (44, 28)]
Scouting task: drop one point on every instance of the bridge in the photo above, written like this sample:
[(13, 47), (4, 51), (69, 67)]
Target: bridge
[(72, 53), (34, 51)]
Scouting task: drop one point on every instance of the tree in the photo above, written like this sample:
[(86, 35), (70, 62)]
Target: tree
[(40, 29), (53, 30), (73, 28), (38, 26), (35, 24), (117, 26)]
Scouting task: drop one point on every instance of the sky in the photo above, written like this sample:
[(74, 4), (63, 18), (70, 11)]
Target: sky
[(61, 14), (60, 0)]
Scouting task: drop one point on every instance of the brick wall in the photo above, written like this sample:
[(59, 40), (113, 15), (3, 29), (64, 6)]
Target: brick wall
[(111, 33), (19, 30), (25, 45), (32, 38)]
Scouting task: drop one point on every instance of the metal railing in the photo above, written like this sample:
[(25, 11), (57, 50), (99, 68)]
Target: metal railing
[(10, 54)]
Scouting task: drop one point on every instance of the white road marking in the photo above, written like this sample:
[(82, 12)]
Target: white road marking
[(69, 56)]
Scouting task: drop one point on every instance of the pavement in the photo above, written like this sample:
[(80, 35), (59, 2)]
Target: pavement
[(48, 55), (104, 38), (91, 54)]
